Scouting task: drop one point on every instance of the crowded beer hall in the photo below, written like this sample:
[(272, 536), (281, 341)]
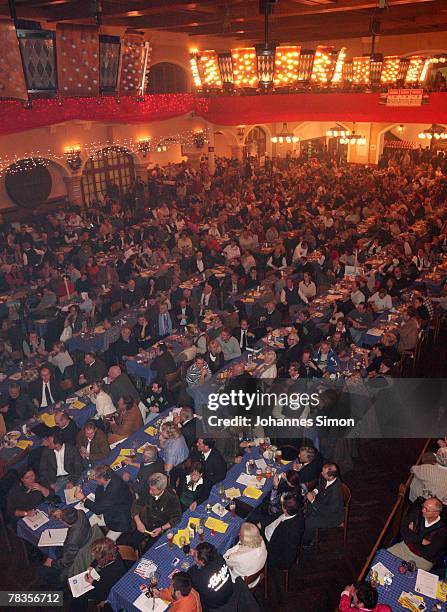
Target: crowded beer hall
[(223, 305)]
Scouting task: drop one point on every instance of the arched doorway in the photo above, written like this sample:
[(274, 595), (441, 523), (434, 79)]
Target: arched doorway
[(109, 171), (28, 182), (166, 77), (256, 143)]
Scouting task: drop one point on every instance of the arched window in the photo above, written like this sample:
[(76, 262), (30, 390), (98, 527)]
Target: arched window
[(28, 182), (256, 142), (167, 78), (109, 171)]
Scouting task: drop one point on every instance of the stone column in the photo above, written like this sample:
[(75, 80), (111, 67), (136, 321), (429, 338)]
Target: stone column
[(74, 189), (211, 154)]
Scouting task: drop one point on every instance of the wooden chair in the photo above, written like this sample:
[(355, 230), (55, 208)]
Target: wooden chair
[(346, 491), (173, 380), (255, 580), (128, 553)]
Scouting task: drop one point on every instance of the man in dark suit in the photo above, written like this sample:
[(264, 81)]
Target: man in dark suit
[(66, 427), (16, 407), (326, 505), (293, 352), (95, 369), (161, 323), (208, 300), (131, 296), (309, 464), (60, 463), (283, 538), (113, 499), (213, 461), (308, 332), (244, 335), (55, 571), (163, 363), (190, 426), (45, 391), (182, 314), (126, 346), (152, 464), (120, 385)]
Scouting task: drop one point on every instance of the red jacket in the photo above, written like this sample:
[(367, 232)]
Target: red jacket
[(345, 605)]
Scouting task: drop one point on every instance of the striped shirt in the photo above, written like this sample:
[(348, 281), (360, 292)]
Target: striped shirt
[(429, 478)]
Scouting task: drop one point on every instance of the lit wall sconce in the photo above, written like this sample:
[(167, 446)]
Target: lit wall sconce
[(199, 139), (73, 157), (144, 146), (400, 128), (241, 132), (161, 148)]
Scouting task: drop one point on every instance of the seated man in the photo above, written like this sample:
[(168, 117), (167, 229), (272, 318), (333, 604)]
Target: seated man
[(180, 594), (16, 407), (158, 400), (95, 369), (361, 320), (423, 535), (229, 344), (326, 503), (55, 572), (45, 391), (308, 464), (127, 421), (91, 443), (126, 346), (120, 385), (431, 477), (157, 511), (363, 596), (60, 463), (211, 577), (215, 466), (151, 464), (113, 499), (66, 427)]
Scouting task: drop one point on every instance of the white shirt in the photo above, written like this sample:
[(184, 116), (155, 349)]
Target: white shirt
[(60, 455), (206, 455), (244, 561), (271, 528), (381, 304), (44, 403)]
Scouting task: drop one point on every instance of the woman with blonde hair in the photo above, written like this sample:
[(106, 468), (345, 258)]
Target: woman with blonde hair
[(249, 555), (174, 449), (110, 566)]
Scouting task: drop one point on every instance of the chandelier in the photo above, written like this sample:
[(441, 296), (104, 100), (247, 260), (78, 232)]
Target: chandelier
[(351, 138), (436, 132), (337, 132), (284, 136)]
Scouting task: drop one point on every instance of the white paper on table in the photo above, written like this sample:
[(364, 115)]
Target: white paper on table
[(261, 464), (70, 495), (53, 537), (426, 584), (145, 604), (34, 522), (79, 585), (250, 481)]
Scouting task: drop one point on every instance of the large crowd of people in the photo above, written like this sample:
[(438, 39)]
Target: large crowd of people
[(216, 265)]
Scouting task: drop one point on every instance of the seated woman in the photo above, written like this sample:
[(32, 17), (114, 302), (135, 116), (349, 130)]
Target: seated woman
[(60, 358), (110, 567), (33, 346), (193, 489), (102, 400), (214, 356), (174, 449), (249, 555)]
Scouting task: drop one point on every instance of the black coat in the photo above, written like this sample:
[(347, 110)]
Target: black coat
[(37, 387), (163, 364), (215, 466), (48, 465), (96, 371), (328, 508), (139, 485), (122, 386), (285, 542), (114, 503), (69, 434)]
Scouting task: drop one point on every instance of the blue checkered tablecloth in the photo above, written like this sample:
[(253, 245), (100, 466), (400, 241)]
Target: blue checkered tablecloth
[(126, 590), (401, 583)]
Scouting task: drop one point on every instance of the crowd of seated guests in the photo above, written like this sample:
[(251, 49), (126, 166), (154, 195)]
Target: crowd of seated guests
[(85, 272)]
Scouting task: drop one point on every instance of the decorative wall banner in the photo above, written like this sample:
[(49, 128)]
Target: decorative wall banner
[(222, 110), (77, 59), (134, 60), (12, 78)]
